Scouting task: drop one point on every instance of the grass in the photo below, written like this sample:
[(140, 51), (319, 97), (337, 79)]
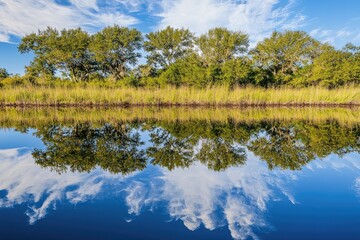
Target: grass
[(216, 96), (34, 117)]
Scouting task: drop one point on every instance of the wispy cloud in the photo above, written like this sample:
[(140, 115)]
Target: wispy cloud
[(336, 37), (41, 189), (20, 17), (236, 198), (255, 17)]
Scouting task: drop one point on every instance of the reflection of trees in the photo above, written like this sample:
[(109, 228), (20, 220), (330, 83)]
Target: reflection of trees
[(287, 145), (169, 151), (291, 146), (181, 144), (82, 148), (219, 155), (218, 145), (280, 147)]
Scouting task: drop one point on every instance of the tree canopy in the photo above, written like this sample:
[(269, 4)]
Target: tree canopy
[(283, 54), (115, 49), (166, 46), (219, 45), (3, 73), (178, 57)]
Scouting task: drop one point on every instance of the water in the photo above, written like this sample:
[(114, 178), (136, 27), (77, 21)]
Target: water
[(172, 179)]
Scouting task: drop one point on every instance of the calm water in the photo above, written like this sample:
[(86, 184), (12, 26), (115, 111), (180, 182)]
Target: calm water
[(180, 180)]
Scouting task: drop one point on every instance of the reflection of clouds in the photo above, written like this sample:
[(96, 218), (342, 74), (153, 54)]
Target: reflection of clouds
[(23, 180), (236, 197), (350, 162), (357, 186)]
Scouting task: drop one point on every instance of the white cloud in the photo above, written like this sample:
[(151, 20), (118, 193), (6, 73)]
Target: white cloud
[(41, 189), (336, 37), (20, 17), (236, 197), (255, 17)]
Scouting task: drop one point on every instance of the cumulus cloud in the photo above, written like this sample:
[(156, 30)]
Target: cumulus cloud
[(20, 17), (255, 17), (236, 198), (41, 189)]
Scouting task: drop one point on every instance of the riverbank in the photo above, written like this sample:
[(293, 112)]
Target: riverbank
[(215, 97)]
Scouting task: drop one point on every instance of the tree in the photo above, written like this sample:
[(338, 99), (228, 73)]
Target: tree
[(115, 48), (66, 51), (237, 72), (334, 68), (220, 45), (189, 71), (41, 44), (168, 45), (285, 53), (3, 73), (72, 56)]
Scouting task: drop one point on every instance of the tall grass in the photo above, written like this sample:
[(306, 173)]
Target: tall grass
[(216, 96)]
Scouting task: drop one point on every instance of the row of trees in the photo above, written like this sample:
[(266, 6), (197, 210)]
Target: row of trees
[(177, 57)]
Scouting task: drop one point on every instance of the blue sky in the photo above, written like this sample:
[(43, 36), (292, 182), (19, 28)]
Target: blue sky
[(331, 21)]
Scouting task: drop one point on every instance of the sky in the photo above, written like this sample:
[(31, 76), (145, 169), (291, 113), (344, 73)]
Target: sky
[(333, 21)]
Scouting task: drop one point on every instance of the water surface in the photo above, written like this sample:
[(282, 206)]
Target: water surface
[(176, 178)]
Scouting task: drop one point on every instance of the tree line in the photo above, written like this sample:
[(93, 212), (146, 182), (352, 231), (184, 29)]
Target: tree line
[(178, 57)]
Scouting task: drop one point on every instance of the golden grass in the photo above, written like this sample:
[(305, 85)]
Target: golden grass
[(217, 96), (32, 117)]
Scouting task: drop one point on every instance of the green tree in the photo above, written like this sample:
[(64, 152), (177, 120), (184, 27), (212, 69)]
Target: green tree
[(283, 54), (220, 45), (3, 73), (237, 72), (115, 49), (166, 46), (66, 51), (41, 44), (189, 71), (334, 67), (72, 56)]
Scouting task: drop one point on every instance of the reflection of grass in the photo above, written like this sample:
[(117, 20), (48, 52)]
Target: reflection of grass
[(31, 117), (172, 96)]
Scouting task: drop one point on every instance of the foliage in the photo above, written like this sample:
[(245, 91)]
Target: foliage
[(220, 45), (82, 148), (336, 67), (166, 46), (115, 49), (180, 144), (3, 73), (178, 58), (283, 54), (41, 44)]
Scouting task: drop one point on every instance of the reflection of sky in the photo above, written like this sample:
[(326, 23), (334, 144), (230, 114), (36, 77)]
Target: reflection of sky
[(238, 198), (26, 182)]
